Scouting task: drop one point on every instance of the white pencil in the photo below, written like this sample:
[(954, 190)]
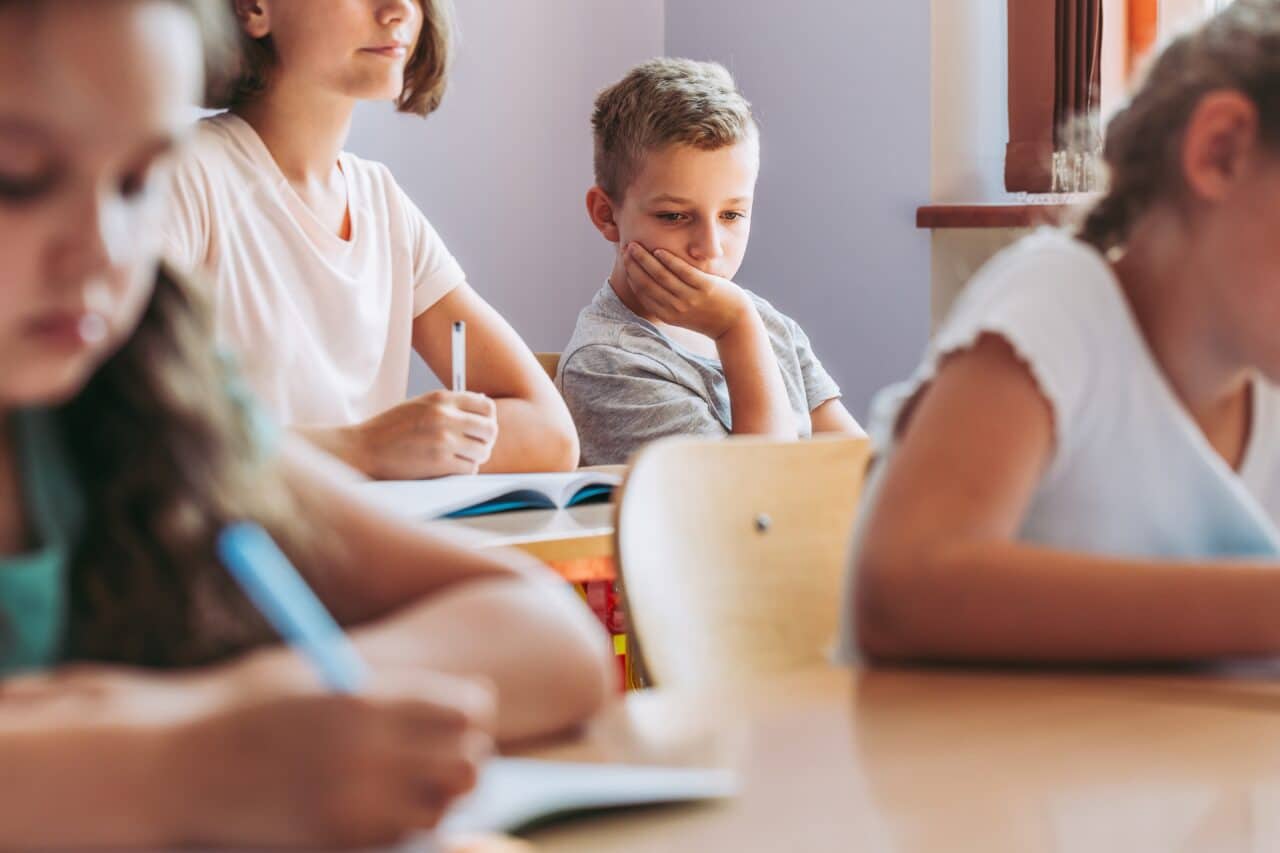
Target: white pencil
[(459, 356)]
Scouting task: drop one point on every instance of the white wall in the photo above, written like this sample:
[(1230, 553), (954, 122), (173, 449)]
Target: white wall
[(1115, 56), (970, 124), (842, 93), (970, 121), (501, 169), (970, 84)]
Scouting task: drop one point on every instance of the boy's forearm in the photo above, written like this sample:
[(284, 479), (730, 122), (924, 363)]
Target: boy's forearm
[(757, 397), (833, 417)]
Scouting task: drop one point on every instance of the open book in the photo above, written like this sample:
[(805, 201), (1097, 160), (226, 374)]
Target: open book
[(515, 794), (481, 494)]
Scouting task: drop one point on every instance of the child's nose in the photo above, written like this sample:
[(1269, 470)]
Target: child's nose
[(96, 240), (706, 244)]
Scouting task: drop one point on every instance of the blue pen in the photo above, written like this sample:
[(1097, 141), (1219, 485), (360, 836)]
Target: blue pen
[(275, 587)]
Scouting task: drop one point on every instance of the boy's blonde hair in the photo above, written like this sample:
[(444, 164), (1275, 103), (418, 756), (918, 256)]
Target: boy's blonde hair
[(664, 102), (425, 74)]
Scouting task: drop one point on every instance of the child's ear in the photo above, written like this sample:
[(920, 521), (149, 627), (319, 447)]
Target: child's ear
[(1221, 134), (600, 209), (254, 17)]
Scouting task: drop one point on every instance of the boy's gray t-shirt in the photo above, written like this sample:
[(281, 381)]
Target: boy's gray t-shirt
[(628, 384)]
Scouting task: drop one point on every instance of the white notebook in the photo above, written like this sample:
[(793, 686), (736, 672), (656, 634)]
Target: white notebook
[(482, 494), (514, 794)]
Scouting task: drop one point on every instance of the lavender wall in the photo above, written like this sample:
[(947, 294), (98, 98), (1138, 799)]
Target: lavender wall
[(843, 93)]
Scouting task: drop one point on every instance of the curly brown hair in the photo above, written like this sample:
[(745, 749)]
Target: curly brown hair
[(165, 457), (1239, 49), (425, 74)]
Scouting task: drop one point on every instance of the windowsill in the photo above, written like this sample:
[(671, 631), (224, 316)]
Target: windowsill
[(1051, 211)]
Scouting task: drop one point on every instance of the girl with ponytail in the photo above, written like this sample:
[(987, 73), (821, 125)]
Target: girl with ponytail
[(1086, 466)]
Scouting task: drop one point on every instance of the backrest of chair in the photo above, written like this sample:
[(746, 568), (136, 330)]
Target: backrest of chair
[(733, 552), (550, 362)]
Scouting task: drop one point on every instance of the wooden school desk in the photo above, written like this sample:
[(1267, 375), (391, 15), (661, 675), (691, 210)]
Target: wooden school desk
[(834, 760)]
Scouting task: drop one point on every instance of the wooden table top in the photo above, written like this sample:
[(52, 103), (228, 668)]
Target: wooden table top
[(924, 760)]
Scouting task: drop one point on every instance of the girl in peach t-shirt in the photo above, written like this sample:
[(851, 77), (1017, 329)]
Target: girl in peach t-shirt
[(326, 276)]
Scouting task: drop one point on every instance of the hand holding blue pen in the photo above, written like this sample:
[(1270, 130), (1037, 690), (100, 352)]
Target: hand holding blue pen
[(279, 592)]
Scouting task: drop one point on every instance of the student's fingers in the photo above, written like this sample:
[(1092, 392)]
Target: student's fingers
[(470, 401), (431, 776), (446, 764), (662, 311), (654, 295), (469, 461), (470, 451), (474, 427), (448, 459), (471, 454), (658, 272), (683, 270), (437, 779)]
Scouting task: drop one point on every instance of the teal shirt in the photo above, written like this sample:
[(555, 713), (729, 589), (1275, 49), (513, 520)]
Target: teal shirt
[(34, 585)]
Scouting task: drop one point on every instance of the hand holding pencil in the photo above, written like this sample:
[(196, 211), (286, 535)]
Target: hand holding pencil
[(432, 435), (315, 748)]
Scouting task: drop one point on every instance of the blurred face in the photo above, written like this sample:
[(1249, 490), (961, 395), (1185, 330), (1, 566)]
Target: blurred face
[(93, 94), (1232, 227), (693, 203), (354, 48), (1248, 231)]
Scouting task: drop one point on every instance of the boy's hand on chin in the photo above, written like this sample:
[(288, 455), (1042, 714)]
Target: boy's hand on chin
[(678, 293)]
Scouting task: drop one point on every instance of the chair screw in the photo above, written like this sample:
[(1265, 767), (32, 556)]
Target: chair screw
[(763, 523)]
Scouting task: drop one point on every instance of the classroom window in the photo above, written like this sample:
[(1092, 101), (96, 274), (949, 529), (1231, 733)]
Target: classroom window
[(1149, 21), (1055, 95), (1070, 62)]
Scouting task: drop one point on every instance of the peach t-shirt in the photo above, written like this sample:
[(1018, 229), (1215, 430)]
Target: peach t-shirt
[(322, 325)]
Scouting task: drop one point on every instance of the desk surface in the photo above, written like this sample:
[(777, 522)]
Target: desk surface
[(946, 760)]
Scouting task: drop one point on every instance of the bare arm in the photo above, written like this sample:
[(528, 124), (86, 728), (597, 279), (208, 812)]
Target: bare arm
[(940, 575), (832, 416), (757, 396), (422, 599), (107, 756), (678, 293), (85, 764), (512, 419), (535, 432)]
